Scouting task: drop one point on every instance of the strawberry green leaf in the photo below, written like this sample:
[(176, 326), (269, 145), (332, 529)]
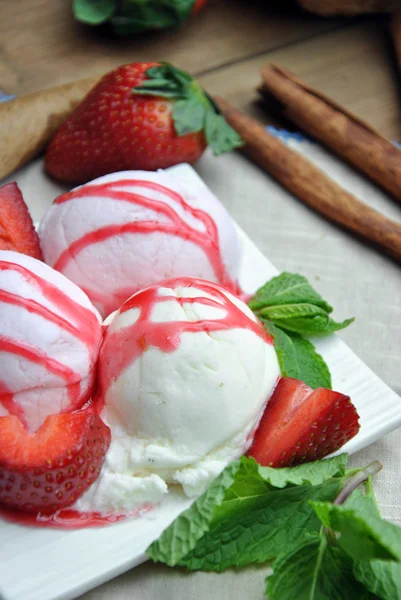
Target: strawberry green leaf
[(188, 115), (220, 136), (93, 12), (362, 537), (314, 570), (193, 110), (298, 358), (287, 288)]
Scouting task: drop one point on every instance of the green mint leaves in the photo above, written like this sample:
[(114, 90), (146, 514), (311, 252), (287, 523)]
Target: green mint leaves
[(323, 537), (249, 515), (314, 570), (128, 17), (193, 109), (291, 311), (298, 358), (93, 12), (287, 288)]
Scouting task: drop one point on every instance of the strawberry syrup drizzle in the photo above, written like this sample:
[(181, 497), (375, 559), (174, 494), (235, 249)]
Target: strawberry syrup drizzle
[(86, 330), (166, 335), (207, 240), (86, 327), (68, 518)]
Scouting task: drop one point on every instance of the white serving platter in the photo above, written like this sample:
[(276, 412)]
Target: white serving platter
[(52, 564)]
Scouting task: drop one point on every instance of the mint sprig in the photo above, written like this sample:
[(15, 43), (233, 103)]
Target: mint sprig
[(193, 110), (325, 537), (292, 311), (128, 17), (249, 515), (342, 557)]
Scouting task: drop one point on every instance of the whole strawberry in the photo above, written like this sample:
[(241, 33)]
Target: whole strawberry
[(140, 116)]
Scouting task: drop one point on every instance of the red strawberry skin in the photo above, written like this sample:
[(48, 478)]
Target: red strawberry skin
[(302, 425), (50, 469), (114, 129), (16, 227), (198, 5)]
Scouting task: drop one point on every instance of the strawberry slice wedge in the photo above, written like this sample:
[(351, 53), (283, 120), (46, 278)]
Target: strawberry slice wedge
[(48, 470), (16, 227), (302, 425)]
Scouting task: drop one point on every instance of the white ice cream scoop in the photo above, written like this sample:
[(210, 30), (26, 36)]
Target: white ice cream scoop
[(50, 336), (125, 231), (185, 371)]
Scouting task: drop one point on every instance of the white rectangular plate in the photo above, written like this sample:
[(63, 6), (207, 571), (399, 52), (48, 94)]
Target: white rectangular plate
[(51, 564)]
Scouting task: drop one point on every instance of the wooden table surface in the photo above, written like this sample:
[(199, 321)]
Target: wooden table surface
[(352, 60)]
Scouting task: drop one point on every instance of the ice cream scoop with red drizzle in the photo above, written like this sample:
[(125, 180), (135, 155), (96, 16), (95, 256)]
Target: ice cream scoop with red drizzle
[(50, 336), (185, 371), (125, 231)]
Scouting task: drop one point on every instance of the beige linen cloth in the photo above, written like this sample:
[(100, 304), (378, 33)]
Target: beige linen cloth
[(352, 276)]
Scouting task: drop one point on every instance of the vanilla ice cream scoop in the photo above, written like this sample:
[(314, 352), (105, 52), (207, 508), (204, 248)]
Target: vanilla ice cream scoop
[(125, 231), (50, 336), (185, 371)]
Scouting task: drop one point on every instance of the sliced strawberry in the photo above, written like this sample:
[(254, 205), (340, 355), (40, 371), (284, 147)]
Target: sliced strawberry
[(50, 469), (301, 425), (16, 227)]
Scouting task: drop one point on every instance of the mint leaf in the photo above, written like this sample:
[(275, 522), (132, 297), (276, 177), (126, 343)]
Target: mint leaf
[(293, 305), (313, 473), (381, 577), (129, 17), (249, 514), (182, 535), (364, 505), (264, 527), (298, 358), (287, 288), (292, 311), (312, 325), (314, 570), (93, 12), (362, 537)]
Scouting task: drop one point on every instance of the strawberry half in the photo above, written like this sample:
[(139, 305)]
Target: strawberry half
[(302, 425), (142, 116), (16, 227), (50, 469)]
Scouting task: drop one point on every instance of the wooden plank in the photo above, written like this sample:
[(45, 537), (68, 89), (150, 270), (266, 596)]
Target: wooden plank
[(41, 44), (352, 65)]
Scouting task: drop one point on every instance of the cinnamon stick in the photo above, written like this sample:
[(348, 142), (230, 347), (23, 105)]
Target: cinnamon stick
[(341, 131), (28, 123), (395, 27), (311, 185)]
